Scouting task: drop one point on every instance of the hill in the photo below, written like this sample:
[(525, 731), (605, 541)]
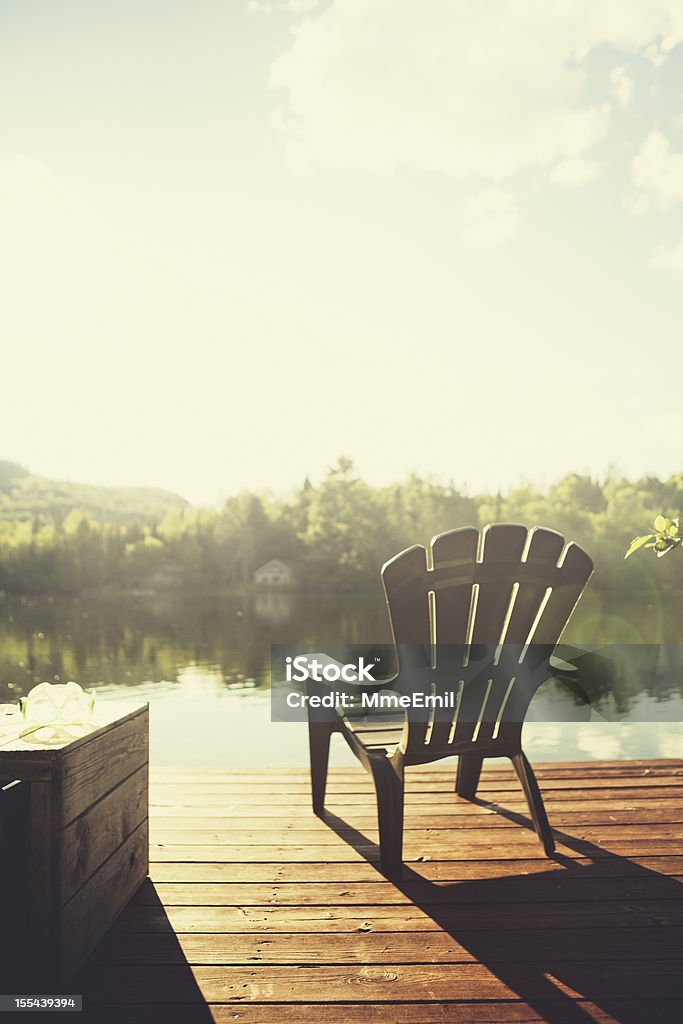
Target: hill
[(24, 496)]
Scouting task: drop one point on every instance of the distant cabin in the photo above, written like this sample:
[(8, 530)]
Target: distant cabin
[(273, 574)]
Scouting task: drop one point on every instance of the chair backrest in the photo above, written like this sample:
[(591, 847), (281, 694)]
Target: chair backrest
[(481, 612)]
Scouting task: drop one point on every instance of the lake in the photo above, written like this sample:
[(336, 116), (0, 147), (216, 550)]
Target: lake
[(203, 663)]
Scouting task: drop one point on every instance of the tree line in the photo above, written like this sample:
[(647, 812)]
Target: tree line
[(333, 535)]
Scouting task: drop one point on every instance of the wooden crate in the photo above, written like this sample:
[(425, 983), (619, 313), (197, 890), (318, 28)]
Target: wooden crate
[(85, 811)]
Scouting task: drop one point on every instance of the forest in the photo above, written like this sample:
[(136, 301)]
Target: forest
[(68, 539)]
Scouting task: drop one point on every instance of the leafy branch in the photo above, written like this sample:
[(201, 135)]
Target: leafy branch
[(665, 538)]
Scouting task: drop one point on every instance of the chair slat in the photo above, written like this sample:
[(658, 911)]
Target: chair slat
[(405, 579), (502, 542), (470, 708), (451, 551), (545, 547), (575, 571)]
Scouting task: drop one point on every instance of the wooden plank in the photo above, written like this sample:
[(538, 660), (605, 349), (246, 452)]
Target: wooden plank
[(560, 790), (511, 1012), (363, 784), (462, 817), (359, 780), (414, 809), (360, 918), (419, 842), (523, 845), (99, 764), (42, 906), (370, 984), (664, 787), (416, 775), (513, 888), (88, 914), (163, 824), (465, 946), (469, 833), (444, 871), (88, 840), (264, 774), (32, 766)]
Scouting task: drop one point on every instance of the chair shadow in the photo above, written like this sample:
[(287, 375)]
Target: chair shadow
[(604, 967)]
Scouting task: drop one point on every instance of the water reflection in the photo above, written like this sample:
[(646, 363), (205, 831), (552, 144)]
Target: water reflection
[(203, 662), (273, 609)]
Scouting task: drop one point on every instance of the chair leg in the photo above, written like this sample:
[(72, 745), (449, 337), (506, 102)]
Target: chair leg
[(534, 799), (319, 735), (388, 779), (467, 777)]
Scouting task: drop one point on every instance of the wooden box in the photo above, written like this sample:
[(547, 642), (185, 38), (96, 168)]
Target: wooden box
[(74, 841)]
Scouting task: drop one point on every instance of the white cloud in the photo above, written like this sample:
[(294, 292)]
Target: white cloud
[(480, 90), (670, 740), (259, 7), (637, 203), (622, 86), (490, 218), (658, 174), (291, 6), (600, 742), (668, 258), (655, 54), (300, 6), (574, 173)]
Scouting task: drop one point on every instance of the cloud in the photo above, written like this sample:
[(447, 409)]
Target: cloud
[(469, 90), (299, 6), (490, 218), (668, 258), (258, 7), (655, 54), (574, 173), (622, 86), (658, 174), (599, 742), (290, 6)]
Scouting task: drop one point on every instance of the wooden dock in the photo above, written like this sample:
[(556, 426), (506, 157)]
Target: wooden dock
[(257, 912)]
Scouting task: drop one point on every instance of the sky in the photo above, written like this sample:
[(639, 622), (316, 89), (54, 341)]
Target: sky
[(240, 238)]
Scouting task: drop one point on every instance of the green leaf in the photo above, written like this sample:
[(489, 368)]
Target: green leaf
[(638, 542), (661, 524)]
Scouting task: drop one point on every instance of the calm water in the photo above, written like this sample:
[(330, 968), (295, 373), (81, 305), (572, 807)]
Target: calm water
[(203, 664)]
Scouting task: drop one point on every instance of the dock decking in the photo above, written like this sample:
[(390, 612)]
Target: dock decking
[(258, 912)]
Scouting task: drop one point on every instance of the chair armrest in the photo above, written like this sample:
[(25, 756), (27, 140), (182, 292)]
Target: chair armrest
[(562, 669), (568, 674)]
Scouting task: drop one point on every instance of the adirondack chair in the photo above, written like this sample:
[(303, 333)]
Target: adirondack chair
[(480, 613)]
